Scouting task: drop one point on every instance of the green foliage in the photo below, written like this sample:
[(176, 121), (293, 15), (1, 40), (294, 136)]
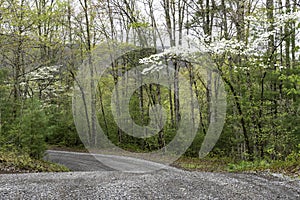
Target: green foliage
[(289, 165), (17, 161), (62, 130), (248, 166), (136, 25), (194, 149), (28, 130), (294, 156)]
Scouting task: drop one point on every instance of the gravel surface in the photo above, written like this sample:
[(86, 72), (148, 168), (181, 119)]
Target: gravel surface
[(169, 183), (163, 184), (78, 161)]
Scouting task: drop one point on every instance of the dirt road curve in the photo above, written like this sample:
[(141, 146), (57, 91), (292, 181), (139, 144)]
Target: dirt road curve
[(162, 184), (98, 162)]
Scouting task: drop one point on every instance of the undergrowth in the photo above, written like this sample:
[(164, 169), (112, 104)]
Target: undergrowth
[(20, 162), (290, 166)]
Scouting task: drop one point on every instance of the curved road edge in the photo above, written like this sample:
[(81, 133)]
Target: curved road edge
[(77, 161)]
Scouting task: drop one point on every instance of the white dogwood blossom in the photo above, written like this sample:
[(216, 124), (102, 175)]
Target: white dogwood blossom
[(43, 83)]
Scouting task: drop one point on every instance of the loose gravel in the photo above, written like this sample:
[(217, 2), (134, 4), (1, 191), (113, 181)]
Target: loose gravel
[(162, 184)]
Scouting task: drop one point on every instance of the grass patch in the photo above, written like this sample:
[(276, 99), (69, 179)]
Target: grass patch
[(17, 162), (289, 167)]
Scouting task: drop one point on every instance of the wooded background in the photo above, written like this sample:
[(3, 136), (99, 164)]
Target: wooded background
[(254, 44)]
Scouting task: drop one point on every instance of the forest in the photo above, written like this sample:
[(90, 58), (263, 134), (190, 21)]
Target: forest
[(251, 48)]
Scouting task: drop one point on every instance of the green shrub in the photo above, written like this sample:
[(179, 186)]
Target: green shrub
[(27, 130), (15, 161), (34, 127)]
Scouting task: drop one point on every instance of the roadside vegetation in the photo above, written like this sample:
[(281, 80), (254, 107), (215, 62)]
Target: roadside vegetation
[(19, 162), (289, 167)]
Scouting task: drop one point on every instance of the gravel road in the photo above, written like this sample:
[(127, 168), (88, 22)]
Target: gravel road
[(97, 162), (167, 183)]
